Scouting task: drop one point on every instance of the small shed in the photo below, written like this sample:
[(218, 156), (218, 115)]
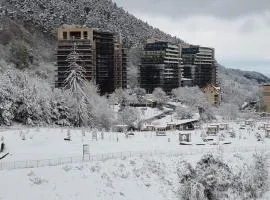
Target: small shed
[(120, 128), (267, 133), (212, 129), (150, 127), (224, 126), (266, 126), (184, 137)]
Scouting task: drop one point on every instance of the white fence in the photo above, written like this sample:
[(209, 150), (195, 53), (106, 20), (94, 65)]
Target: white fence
[(189, 151)]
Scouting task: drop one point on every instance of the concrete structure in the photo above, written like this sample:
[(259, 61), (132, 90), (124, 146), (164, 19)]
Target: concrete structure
[(199, 65), (160, 66), (266, 98), (101, 54), (184, 137), (212, 94)]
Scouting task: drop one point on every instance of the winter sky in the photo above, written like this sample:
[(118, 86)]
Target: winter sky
[(239, 30)]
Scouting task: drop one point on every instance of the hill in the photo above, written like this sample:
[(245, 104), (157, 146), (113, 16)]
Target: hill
[(250, 75), (28, 31), (46, 15)]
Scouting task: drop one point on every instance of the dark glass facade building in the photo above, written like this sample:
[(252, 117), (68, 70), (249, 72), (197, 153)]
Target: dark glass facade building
[(199, 65), (160, 66)]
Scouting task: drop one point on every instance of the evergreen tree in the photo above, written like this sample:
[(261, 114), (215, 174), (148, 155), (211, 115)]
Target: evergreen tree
[(76, 83)]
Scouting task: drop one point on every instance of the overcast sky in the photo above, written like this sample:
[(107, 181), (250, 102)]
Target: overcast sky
[(239, 30)]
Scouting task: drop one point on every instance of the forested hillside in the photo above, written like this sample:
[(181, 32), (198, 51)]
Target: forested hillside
[(47, 15), (27, 52)]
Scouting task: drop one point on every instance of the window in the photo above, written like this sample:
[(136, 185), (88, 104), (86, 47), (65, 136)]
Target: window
[(75, 35), (85, 35), (65, 35)]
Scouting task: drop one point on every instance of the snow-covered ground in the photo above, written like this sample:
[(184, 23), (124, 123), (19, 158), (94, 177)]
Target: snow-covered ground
[(139, 177), (120, 179), (48, 143)]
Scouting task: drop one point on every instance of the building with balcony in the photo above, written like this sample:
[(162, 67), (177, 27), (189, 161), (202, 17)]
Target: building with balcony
[(101, 54), (199, 64), (160, 66)]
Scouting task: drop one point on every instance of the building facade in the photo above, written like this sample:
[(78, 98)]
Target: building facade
[(266, 98), (160, 66), (101, 54), (212, 94), (199, 65)]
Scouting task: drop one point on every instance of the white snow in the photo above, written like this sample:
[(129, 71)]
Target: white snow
[(152, 178), (48, 143), (127, 177)]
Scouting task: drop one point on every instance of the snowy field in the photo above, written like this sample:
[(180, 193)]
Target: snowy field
[(49, 143), (119, 179), (144, 176)]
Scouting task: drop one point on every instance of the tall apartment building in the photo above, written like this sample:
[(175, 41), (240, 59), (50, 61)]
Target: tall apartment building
[(199, 65), (160, 66), (101, 54)]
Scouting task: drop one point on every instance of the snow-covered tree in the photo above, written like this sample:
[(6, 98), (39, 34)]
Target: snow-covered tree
[(159, 96), (192, 96), (195, 99), (75, 83), (184, 113), (129, 116)]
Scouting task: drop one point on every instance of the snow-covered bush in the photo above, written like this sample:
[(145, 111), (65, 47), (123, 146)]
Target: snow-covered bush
[(210, 179), (251, 182)]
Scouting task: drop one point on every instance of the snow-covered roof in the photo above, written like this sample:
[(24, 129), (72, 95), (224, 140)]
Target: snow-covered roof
[(121, 125)]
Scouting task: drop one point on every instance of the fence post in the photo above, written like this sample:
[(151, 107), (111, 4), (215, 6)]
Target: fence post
[(37, 163)]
